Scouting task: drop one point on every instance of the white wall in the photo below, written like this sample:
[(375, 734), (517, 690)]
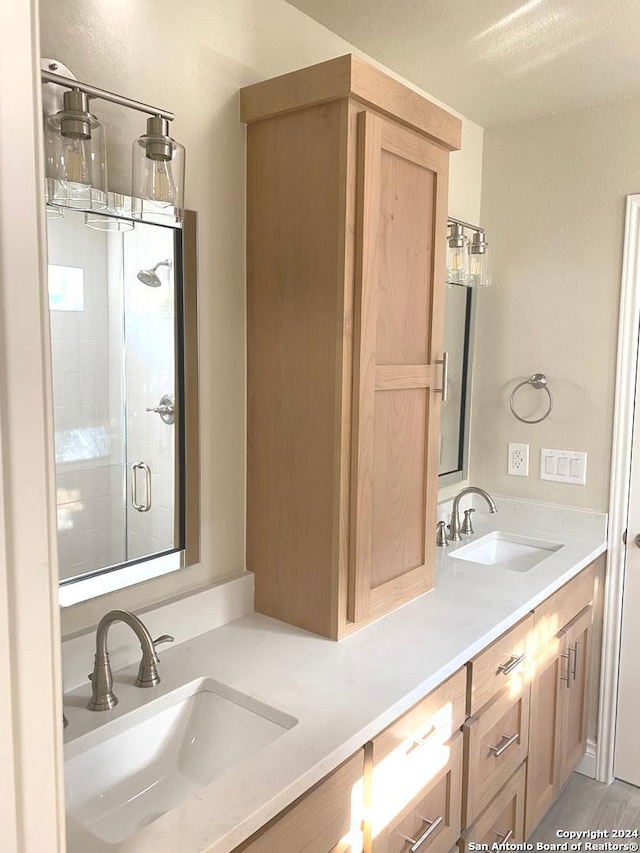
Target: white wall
[(553, 206), (193, 59), (31, 785)]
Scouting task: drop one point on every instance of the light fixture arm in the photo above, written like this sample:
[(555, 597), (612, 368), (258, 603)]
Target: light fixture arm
[(103, 94), (451, 220)]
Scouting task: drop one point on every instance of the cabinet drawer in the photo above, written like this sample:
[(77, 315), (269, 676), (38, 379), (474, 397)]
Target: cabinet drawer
[(503, 664), (434, 719), (321, 820), (495, 744), (503, 819), (431, 822), (561, 607)]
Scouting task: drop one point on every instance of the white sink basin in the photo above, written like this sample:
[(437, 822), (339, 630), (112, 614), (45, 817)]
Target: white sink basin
[(506, 551), (129, 772)]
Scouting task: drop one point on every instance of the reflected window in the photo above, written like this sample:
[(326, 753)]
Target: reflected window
[(66, 288)]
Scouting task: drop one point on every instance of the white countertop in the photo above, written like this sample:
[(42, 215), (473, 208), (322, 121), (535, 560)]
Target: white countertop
[(342, 694)]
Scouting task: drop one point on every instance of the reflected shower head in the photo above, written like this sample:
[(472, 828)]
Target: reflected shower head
[(150, 277)]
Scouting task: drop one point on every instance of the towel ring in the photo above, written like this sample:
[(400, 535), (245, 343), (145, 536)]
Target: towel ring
[(538, 380)]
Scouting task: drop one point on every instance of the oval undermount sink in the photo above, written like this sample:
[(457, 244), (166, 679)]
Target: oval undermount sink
[(507, 551), (127, 773)]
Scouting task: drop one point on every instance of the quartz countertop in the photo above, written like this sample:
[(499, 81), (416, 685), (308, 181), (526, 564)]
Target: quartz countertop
[(342, 693)]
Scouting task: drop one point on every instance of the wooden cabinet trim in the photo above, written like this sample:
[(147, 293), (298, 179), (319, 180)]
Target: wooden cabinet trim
[(344, 77)]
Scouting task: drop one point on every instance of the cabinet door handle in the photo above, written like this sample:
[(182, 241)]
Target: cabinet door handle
[(503, 747), (567, 677), (141, 466), (505, 836), (444, 361), (574, 669), (416, 844), (509, 665)]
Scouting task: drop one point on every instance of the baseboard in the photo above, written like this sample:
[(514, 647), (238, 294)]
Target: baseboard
[(587, 764)]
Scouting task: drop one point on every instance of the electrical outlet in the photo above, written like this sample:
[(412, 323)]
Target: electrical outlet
[(518, 460)]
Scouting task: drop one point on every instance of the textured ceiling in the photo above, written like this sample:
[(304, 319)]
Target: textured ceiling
[(498, 61)]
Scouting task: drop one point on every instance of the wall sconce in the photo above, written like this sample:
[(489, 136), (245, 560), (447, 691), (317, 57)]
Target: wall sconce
[(76, 155), (157, 172), (479, 273), (457, 255), (75, 151), (467, 261)]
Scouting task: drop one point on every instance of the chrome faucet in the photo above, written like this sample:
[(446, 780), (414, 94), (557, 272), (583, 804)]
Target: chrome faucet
[(102, 697), (454, 528)]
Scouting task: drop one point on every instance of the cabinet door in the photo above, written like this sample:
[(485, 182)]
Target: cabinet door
[(399, 304), (573, 724)]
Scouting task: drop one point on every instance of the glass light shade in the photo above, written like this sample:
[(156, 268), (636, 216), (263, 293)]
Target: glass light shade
[(76, 160), (117, 204), (458, 261), (158, 175), (479, 270)]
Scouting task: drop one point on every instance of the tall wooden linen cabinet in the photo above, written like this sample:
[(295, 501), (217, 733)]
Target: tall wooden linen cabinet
[(347, 180)]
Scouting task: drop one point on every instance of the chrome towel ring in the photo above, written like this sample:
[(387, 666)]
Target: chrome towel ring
[(538, 380)]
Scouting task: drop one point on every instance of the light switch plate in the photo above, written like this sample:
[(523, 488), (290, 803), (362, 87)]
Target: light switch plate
[(563, 466)]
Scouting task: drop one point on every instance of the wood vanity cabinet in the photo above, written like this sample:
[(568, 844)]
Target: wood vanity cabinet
[(347, 174), (559, 692)]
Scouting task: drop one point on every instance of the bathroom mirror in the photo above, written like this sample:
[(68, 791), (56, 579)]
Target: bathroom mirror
[(124, 365), (459, 320)]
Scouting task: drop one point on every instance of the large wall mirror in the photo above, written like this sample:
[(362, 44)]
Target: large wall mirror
[(124, 360), (459, 320)]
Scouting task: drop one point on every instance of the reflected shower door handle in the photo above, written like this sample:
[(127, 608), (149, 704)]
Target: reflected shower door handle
[(141, 466)]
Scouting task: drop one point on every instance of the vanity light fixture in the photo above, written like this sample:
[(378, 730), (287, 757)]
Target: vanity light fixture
[(76, 155), (467, 261)]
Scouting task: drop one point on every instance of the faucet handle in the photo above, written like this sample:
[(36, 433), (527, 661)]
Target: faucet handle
[(441, 536), (165, 638), (467, 526)]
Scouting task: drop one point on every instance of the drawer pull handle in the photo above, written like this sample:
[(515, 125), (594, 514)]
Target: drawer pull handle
[(510, 740), (511, 664), (505, 836), (416, 844), (422, 740), (567, 677)]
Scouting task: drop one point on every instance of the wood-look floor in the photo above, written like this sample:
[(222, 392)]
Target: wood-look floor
[(585, 804)]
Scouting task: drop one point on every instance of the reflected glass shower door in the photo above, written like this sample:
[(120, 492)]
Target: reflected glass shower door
[(150, 390)]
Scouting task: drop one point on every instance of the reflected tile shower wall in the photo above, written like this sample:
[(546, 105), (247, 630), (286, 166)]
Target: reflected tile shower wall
[(83, 378)]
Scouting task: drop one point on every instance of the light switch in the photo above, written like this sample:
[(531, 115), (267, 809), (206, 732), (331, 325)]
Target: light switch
[(563, 466)]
